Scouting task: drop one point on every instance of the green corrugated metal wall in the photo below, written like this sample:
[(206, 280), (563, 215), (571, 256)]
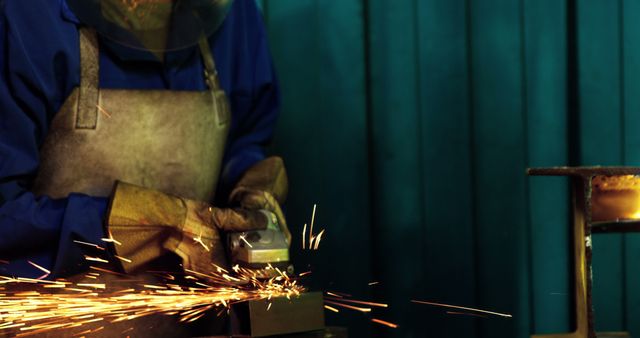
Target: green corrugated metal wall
[(410, 123)]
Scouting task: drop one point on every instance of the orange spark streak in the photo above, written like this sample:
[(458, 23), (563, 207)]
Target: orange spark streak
[(96, 259), (331, 308), (351, 307), (379, 321), (318, 238), (360, 302), (111, 240), (338, 294), (463, 308), (199, 241), (90, 244), (91, 285), (244, 240), (39, 267), (102, 110), (123, 259), (304, 230), (313, 218)]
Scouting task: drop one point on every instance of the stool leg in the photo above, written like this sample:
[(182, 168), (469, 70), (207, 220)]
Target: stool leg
[(581, 251)]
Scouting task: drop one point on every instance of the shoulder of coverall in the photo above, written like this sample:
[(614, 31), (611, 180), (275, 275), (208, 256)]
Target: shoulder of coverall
[(46, 37), (37, 52)]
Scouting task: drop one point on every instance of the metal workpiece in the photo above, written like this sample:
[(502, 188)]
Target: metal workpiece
[(590, 194), (278, 316), (328, 332), (583, 171)]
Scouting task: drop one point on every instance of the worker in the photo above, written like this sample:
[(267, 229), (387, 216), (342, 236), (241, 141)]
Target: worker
[(134, 126)]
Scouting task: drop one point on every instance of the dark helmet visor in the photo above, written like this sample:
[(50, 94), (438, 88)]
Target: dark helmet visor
[(153, 25)]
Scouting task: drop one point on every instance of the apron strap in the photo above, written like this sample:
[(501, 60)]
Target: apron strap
[(210, 72), (87, 111), (87, 117)]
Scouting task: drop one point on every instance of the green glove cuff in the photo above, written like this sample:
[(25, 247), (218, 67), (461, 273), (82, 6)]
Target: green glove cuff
[(267, 175)]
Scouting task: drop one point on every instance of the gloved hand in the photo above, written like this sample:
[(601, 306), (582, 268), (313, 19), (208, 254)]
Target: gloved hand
[(148, 224), (264, 186)]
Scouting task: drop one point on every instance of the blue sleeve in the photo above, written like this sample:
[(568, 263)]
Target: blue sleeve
[(256, 109), (34, 229)]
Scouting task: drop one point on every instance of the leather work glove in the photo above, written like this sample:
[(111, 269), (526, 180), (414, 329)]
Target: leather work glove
[(264, 186), (149, 224)]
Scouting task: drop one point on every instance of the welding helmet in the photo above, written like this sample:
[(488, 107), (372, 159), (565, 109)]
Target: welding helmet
[(153, 25)]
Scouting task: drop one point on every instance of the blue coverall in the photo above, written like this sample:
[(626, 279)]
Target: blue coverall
[(39, 67)]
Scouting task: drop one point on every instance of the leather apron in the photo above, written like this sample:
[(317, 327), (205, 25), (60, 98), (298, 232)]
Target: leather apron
[(171, 141)]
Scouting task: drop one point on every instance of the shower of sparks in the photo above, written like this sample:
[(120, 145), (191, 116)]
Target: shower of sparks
[(385, 323), (92, 302), (75, 305), (313, 240), (333, 301), (506, 315)]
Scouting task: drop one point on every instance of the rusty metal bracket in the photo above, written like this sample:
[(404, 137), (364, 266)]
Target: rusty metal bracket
[(582, 228)]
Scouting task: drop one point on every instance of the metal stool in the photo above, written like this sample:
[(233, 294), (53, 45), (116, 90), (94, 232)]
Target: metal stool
[(588, 218)]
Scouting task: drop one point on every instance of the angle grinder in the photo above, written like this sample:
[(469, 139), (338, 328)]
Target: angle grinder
[(261, 251)]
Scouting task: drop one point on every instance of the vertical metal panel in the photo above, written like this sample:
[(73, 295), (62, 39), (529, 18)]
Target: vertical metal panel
[(631, 108), (397, 172), (318, 47), (546, 87), (500, 150), (443, 103), (600, 127)]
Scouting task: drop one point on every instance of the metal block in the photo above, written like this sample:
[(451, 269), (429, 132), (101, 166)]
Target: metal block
[(299, 314), (613, 335)]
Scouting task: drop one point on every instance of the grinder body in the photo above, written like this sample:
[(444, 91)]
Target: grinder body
[(261, 250)]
